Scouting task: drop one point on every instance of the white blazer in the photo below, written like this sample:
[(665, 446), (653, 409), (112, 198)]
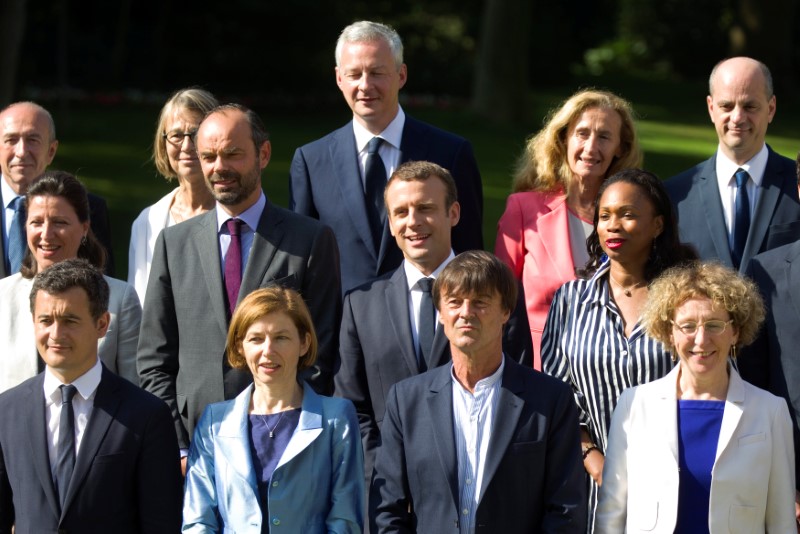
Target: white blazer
[(144, 232), (20, 359), (752, 481)]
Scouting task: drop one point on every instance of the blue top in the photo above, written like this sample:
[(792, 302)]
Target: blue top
[(699, 422), (269, 436)]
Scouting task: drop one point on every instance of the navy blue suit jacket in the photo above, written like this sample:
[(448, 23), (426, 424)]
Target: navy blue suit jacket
[(126, 478), (533, 478), (772, 362), (775, 220), (326, 184)]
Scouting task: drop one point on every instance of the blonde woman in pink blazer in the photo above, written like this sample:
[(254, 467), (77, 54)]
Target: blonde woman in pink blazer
[(548, 217)]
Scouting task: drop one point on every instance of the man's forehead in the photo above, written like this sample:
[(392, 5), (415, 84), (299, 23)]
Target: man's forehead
[(219, 127), (468, 294), (24, 119), (71, 300)]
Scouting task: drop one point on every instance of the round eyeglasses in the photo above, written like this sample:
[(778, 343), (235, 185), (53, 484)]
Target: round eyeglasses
[(713, 327)]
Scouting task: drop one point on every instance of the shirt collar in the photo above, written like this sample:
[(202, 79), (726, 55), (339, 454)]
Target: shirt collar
[(250, 216), (7, 192), (86, 384), (483, 383), (597, 290), (755, 167), (392, 134), (414, 275)]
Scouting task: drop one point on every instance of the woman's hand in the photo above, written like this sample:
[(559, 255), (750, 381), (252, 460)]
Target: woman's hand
[(593, 463)]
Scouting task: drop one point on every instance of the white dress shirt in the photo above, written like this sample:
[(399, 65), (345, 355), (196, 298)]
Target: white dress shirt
[(726, 169), (82, 404), (389, 150), (413, 276), (473, 415)]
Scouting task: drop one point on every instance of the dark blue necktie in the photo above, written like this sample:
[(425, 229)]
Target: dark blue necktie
[(741, 220), (427, 323), (65, 453), (16, 236), (374, 184)]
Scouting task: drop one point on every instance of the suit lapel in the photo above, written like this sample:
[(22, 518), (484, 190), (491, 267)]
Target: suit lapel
[(734, 404), (710, 202), (207, 243), (267, 239), (37, 442), (555, 224), (667, 411), (106, 403), (440, 405), (506, 416), (396, 295), (768, 195), (344, 154), (440, 354), (792, 276), (308, 428), (233, 441)]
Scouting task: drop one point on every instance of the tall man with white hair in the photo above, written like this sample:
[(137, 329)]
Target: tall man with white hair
[(339, 179)]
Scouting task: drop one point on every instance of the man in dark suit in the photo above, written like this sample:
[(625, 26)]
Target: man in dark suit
[(82, 450), (772, 361), (339, 179), (743, 200), (28, 145), (204, 266), (380, 341), (483, 444)]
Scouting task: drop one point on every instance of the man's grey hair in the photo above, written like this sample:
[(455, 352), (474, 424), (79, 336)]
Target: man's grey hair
[(366, 31)]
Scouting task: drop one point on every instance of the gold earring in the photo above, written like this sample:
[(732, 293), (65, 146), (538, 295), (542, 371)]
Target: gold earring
[(733, 351)]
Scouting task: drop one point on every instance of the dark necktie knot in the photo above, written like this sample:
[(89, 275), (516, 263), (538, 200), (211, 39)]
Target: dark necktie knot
[(741, 177), (16, 203), (67, 392), (425, 284), (373, 145)]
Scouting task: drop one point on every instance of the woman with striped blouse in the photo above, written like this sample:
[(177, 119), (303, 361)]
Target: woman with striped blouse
[(592, 338)]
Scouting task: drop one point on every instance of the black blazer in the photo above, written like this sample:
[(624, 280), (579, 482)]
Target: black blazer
[(772, 362), (376, 350), (99, 222), (326, 184), (533, 477), (127, 477), (775, 220)]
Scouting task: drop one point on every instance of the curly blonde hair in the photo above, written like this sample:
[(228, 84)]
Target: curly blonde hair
[(726, 289), (543, 165)]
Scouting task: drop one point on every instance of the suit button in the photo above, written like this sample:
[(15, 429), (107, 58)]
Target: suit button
[(275, 484), (276, 521)]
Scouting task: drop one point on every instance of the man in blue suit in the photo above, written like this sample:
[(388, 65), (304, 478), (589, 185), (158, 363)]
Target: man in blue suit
[(743, 200), (81, 449), (483, 444), (339, 179)]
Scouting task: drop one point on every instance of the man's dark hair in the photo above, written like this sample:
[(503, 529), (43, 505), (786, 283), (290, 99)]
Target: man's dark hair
[(63, 276), (477, 272)]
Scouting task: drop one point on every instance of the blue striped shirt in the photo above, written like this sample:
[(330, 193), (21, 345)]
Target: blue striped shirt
[(584, 344)]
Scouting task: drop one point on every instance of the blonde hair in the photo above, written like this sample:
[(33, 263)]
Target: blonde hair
[(727, 290), (262, 302), (543, 165)]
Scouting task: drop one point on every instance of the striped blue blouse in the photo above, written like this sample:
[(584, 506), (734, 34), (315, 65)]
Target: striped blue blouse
[(584, 344)]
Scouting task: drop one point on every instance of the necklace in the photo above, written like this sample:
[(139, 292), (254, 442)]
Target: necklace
[(272, 430), (626, 290)]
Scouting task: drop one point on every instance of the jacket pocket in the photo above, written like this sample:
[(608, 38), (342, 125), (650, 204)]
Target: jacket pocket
[(752, 438), (743, 519), (643, 515)]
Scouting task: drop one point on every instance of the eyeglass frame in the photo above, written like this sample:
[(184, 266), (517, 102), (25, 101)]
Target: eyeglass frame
[(698, 325), (183, 135)]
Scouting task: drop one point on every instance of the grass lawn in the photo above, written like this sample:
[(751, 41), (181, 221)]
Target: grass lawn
[(109, 148)]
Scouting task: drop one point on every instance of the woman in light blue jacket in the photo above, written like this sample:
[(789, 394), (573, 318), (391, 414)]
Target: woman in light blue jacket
[(278, 455)]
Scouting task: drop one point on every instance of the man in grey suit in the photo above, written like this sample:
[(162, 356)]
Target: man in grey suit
[(203, 266), (743, 200), (483, 444)]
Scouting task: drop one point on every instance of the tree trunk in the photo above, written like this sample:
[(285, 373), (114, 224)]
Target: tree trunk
[(12, 29), (500, 88)]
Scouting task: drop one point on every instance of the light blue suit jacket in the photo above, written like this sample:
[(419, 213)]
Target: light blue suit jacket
[(318, 485)]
